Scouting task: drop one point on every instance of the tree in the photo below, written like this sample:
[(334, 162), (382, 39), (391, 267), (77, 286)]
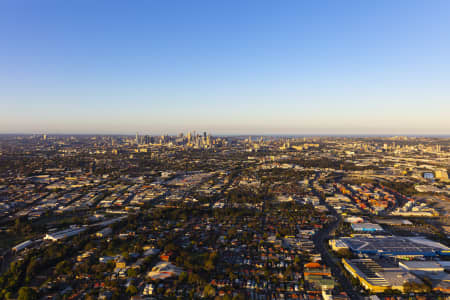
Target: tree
[(407, 287), (227, 297), (346, 253), (27, 293), (209, 291), (132, 273), (182, 277), (132, 290), (209, 263), (63, 267), (239, 297), (31, 269)]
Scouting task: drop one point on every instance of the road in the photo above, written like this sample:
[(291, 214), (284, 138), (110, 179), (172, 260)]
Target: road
[(320, 238)]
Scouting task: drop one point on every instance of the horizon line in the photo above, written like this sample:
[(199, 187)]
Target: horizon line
[(239, 135)]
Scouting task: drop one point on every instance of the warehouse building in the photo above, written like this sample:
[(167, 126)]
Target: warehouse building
[(59, 235), (423, 266), (366, 227), (22, 246), (394, 246), (377, 279)]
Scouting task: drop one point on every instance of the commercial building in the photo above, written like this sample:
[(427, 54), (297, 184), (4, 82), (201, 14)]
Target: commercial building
[(432, 271), (318, 277), (394, 246), (441, 174), (55, 236), (22, 246), (163, 270), (394, 222), (337, 245), (354, 220), (366, 227), (425, 266), (377, 279)]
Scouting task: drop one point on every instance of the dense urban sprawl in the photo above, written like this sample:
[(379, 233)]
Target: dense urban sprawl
[(197, 216)]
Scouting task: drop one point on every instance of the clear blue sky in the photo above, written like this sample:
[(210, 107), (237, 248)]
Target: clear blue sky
[(293, 67)]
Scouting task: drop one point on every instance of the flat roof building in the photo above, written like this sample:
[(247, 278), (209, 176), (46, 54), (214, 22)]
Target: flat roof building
[(377, 279), (55, 236), (366, 227), (394, 246), (427, 266), (22, 246)]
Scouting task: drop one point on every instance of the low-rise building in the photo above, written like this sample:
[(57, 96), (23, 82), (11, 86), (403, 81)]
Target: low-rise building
[(377, 279), (59, 235), (366, 227)]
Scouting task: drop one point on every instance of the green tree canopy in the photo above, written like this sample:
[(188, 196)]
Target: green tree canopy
[(27, 293)]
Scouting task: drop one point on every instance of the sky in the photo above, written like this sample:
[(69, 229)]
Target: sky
[(226, 67)]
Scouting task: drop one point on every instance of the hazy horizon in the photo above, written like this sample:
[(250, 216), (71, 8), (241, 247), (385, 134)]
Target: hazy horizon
[(243, 135), (235, 68)]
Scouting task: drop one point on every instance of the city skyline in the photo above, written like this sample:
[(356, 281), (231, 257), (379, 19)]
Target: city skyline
[(229, 69)]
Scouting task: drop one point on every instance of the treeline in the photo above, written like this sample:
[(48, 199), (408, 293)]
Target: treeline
[(22, 271), (247, 196)]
